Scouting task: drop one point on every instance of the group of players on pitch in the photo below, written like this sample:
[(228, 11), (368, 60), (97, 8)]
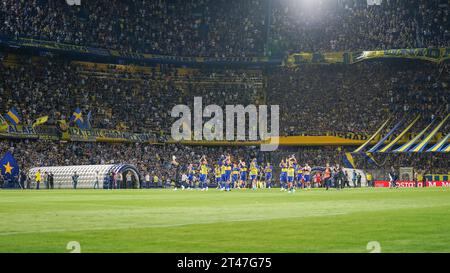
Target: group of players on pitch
[(238, 175)]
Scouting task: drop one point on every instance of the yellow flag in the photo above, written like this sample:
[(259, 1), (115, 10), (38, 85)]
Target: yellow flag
[(40, 120)]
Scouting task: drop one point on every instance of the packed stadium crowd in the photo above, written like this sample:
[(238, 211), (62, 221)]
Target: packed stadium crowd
[(357, 98), (233, 28), (313, 99), (437, 163), (351, 25), (219, 28), (135, 101)]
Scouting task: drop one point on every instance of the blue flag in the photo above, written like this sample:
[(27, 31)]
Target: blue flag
[(77, 118), (349, 161), (9, 166), (13, 116)]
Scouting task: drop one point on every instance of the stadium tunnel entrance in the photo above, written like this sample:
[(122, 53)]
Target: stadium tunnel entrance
[(124, 183), (87, 176)]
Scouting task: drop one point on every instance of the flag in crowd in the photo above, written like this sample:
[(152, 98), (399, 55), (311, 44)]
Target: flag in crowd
[(3, 124), (77, 118), (9, 166), (40, 121), (13, 116)]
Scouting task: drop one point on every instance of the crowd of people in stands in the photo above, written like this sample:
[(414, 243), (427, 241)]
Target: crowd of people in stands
[(219, 28), (230, 28), (436, 163), (313, 100), (357, 98), (351, 25), (117, 99)]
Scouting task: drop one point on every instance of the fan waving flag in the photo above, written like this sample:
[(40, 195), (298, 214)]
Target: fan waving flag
[(13, 116), (40, 121), (77, 118), (9, 166)]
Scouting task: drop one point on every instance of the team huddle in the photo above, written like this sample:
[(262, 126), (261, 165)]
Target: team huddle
[(229, 174)]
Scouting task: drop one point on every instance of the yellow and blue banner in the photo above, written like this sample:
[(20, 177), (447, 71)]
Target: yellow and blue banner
[(424, 142), (3, 124), (13, 116), (360, 148), (388, 147), (405, 147), (349, 161), (77, 118), (371, 159), (446, 149), (436, 55), (440, 144), (9, 167), (381, 142), (40, 121)]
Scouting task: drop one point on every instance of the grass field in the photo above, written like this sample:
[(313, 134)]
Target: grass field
[(401, 220)]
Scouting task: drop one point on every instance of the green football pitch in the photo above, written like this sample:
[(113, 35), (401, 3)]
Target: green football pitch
[(398, 220)]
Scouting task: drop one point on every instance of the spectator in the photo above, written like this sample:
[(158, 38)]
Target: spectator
[(97, 179), (38, 179), (75, 177)]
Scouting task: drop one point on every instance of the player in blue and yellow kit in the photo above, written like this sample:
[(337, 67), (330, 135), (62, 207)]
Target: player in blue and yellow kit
[(243, 174), (228, 169), (253, 173), (299, 176), (223, 176), (268, 173), (203, 173), (283, 175), (290, 176), (191, 175), (218, 175), (235, 176)]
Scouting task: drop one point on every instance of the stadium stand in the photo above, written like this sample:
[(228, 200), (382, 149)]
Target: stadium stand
[(42, 86), (357, 98), (353, 25), (315, 100), (200, 28), (186, 28)]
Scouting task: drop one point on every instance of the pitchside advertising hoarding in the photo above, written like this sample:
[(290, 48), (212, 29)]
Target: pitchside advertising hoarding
[(429, 180), (412, 184)]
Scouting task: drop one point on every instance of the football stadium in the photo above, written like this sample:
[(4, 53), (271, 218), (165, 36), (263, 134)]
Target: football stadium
[(225, 126)]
